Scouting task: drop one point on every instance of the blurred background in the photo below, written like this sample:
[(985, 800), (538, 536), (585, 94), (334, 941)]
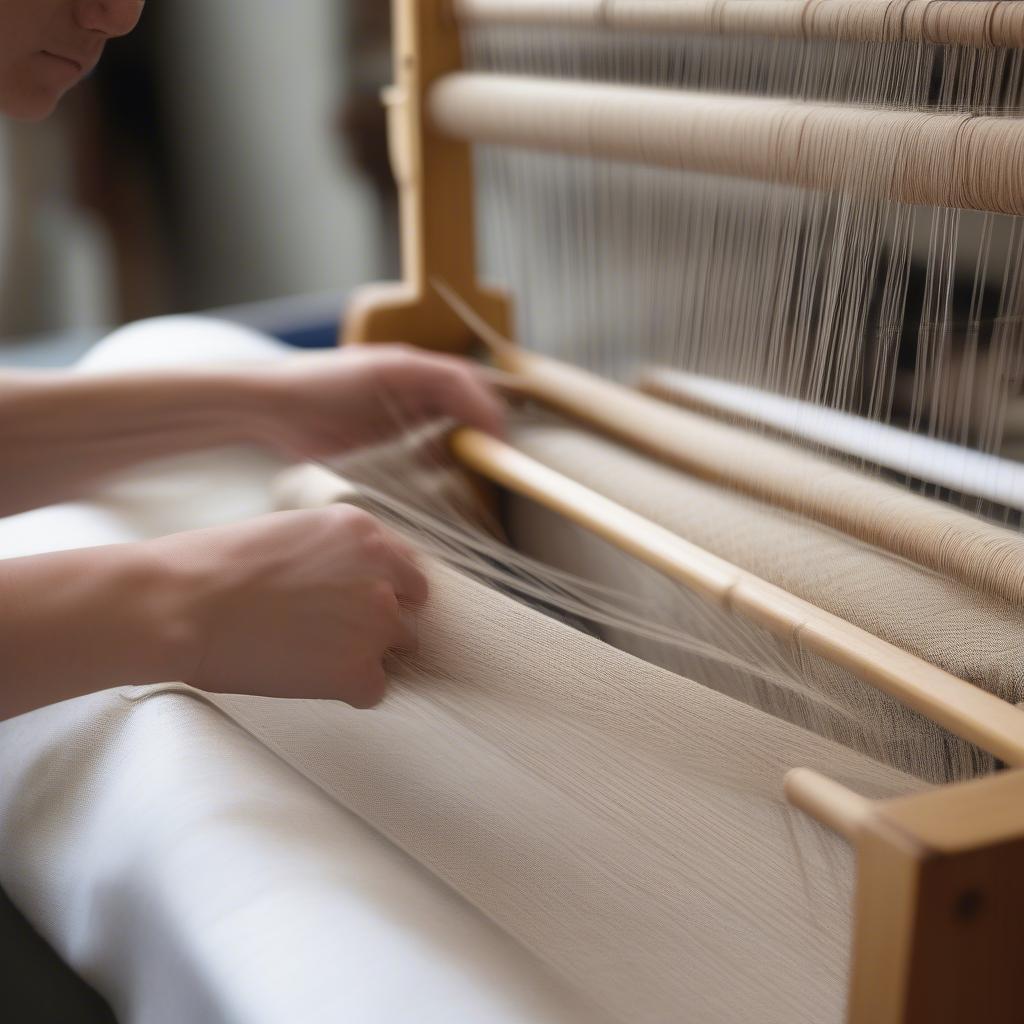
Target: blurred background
[(226, 154)]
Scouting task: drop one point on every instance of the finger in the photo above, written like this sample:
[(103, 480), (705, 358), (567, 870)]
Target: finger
[(401, 566), (403, 635), (387, 625), (505, 383), (364, 685), (473, 402), (457, 390)]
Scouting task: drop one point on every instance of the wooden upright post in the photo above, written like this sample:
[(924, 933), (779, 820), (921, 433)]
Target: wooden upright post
[(940, 907), (435, 184)]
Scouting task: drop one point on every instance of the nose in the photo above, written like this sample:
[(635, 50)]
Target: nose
[(109, 17)]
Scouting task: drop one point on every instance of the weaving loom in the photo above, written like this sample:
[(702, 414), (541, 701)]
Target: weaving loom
[(796, 224)]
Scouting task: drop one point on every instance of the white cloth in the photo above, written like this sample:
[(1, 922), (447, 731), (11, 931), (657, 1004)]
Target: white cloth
[(182, 868)]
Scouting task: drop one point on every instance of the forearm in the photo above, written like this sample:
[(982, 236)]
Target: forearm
[(62, 433), (79, 621)]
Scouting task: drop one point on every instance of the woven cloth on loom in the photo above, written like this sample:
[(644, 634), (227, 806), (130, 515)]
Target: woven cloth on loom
[(623, 823), (970, 635)]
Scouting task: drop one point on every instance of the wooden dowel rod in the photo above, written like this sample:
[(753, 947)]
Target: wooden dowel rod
[(955, 160), (828, 802), (963, 709), (967, 22)]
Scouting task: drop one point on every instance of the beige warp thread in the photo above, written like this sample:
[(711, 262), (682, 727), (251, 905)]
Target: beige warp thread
[(939, 159), (937, 536)]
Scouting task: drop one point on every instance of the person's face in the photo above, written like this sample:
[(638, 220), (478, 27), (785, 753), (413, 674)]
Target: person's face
[(47, 46)]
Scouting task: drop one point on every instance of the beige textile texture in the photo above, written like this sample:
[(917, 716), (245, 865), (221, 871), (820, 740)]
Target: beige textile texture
[(623, 823), (970, 635)]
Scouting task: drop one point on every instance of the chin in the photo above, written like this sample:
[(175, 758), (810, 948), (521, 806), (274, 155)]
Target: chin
[(30, 102), (36, 109)]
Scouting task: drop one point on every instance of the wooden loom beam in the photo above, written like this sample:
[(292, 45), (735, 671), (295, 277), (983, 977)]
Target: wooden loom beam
[(828, 802), (981, 23), (940, 907), (899, 155), (940, 897)]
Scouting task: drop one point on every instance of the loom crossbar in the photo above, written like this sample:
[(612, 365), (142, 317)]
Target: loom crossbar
[(900, 155)]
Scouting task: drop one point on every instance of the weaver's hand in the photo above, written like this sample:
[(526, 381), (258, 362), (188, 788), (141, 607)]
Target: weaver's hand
[(298, 604), (330, 403), (63, 433)]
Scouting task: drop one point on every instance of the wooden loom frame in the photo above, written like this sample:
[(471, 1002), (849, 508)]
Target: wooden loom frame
[(939, 911)]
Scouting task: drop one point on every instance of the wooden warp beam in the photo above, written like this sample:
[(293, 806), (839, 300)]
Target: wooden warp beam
[(996, 23), (955, 160)]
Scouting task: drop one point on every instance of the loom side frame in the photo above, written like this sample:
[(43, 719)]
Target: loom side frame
[(435, 186), (940, 899), (939, 910)]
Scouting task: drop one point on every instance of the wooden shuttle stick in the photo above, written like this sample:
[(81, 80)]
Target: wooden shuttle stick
[(966, 710)]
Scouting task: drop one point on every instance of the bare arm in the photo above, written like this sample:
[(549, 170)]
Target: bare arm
[(78, 621), (300, 604), (62, 433)]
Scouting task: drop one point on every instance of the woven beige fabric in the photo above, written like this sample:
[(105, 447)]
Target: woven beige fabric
[(622, 822)]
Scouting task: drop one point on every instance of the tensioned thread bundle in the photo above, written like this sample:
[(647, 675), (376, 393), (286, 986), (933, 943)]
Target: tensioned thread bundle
[(859, 283)]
